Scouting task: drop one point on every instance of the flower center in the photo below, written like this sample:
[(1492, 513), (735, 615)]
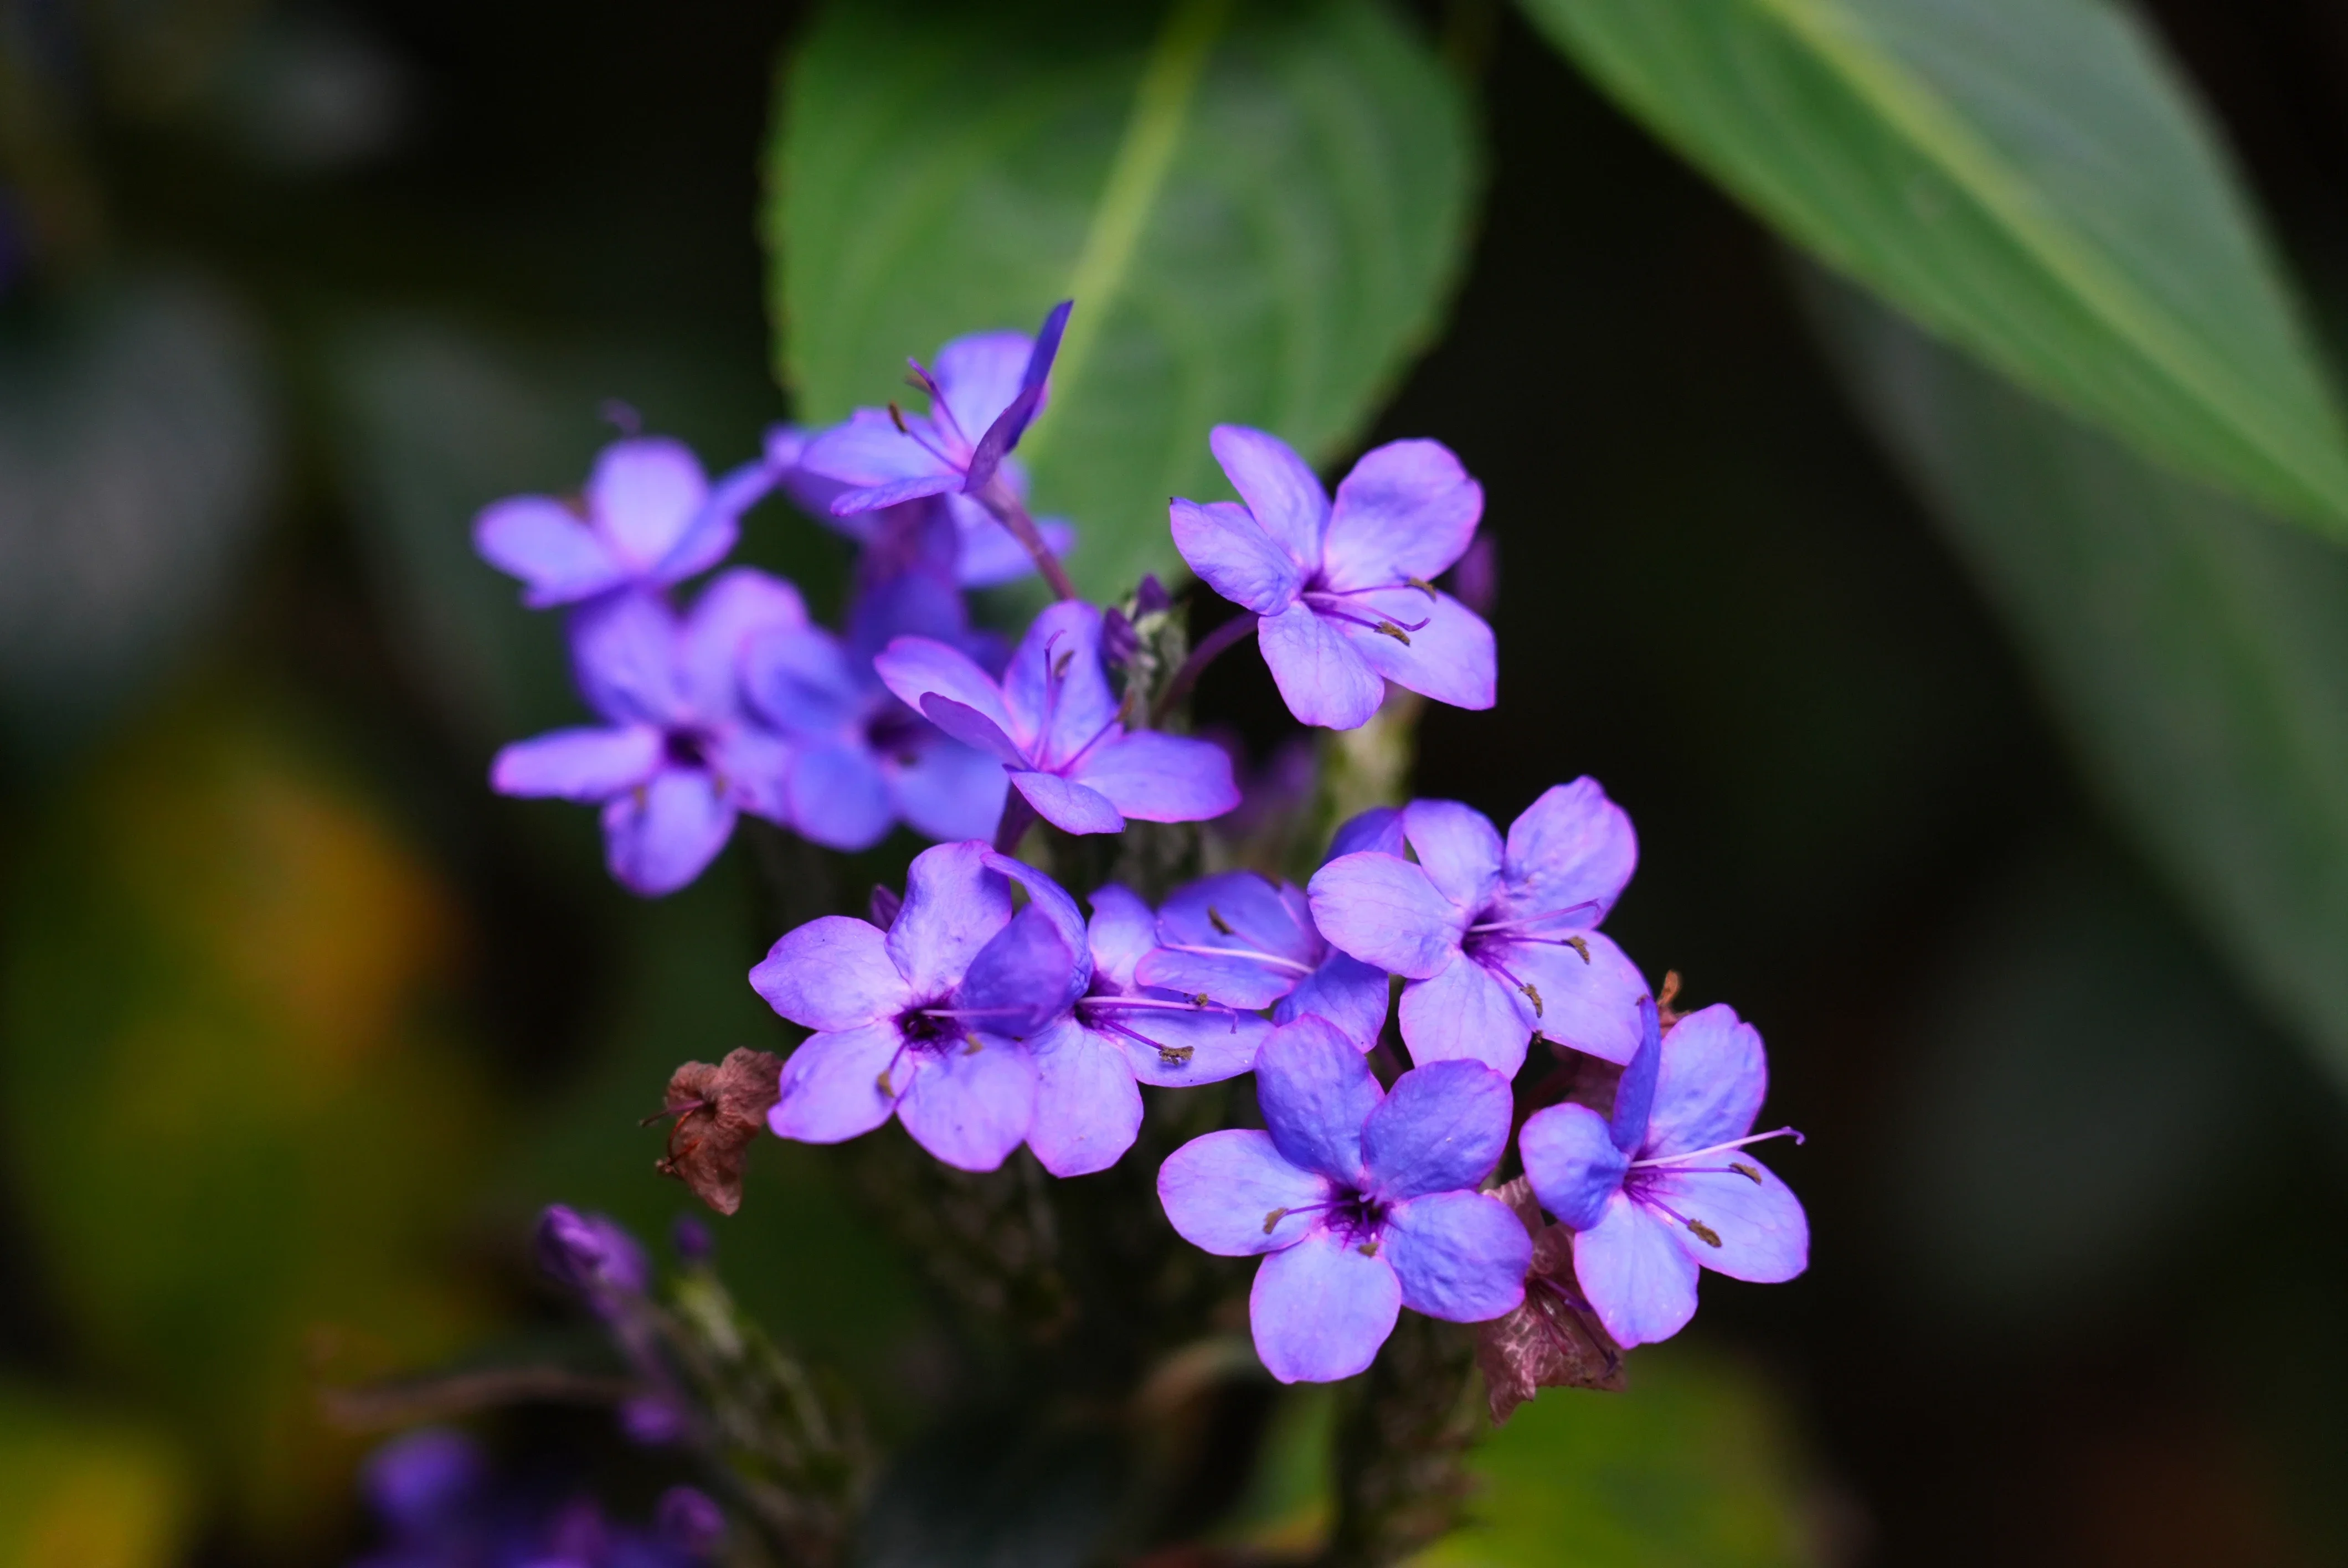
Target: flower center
[(1357, 1220), (685, 747)]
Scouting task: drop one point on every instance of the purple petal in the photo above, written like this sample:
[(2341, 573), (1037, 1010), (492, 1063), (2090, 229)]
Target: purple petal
[(1316, 1090), (1592, 1005), (838, 798), (991, 556), (909, 590), (1225, 544), (1762, 1234), (1408, 509), (1122, 931), (1050, 900), (658, 837), (1458, 848), (1070, 807), (1443, 1127), (1220, 1045), (1004, 431), (832, 973), (578, 764), (972, 1108), (831, 1084), (973, 730), (1460, 1257), (736, 607), (1022, 979), (1571, 846), (1465, 1013), (1449, 659), (1634, 1092), (537, 540), (896, 493), (1151, 777), (1346, 991), (1636, 1274), (1278, 486), (980, 375), (869, 451), (799, 680), (753, 766), (1056, 691), (1087, 1107), (1232, 980), (1379, 828), (1222, 1193), (1321, 1309), (1572, 1163), (915, 667), (711, 536), (1384, 911), (643, 495), (1709, 1082), (954, 906), (1241, 909), (946, 791), (623, 652), (1321, 677)]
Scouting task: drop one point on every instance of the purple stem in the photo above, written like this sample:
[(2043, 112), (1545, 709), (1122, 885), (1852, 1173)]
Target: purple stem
[(996, 498), (1206, 653)]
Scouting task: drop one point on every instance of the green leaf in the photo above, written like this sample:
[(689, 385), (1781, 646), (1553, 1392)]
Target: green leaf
[(2196, 652), (2026, 177), (1259, 211)]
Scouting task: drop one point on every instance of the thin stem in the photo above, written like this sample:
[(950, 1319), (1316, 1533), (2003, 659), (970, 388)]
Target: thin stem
[(1209, 648), (1011, 513)]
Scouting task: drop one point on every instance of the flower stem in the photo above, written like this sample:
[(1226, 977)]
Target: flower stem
[(1209, 648), (1011, 513)]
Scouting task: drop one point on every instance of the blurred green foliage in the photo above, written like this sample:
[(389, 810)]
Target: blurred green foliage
[(82, 1491)]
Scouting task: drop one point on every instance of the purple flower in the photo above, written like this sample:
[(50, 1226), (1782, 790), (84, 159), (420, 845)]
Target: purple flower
[(925, 1020), (1345, 593), (1497, 945), (952, 531), (1122, 1034), (590, 1252), (1052, 723), (649, 519), (1664, 1189), (423, 1480), (1248, 942), (1364, 1202)]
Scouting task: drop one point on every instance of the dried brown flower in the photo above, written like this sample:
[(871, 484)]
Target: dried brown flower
[(719, 1110)]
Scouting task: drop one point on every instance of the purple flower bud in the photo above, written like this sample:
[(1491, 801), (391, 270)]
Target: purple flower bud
[(651, 1422), (690, 1239), (886, 902), (1150, 596), (689, 1521), (418, 1481), (590, 1252)]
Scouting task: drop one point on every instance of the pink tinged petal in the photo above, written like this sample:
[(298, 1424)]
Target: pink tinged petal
[(868, 450), (1278, 486), (1055, 690), (1408, 509), (623, 652), (1070, 807), (1233, 982), (954, 906), (1316, 1090), (1709, 1084), (973, 730), (1151, 777), (737, 607), (1466, 1013), (973, 1103), (1572, 1163), (1231, 1193), (1443, 1127), (980, 375), (1450, 659), (1762, 1234), (643, 495), (1321, 677), (578, 764), (1592, 1005), (1458, 848), (1188, 1049), (915, 667), (1121, 933), (1571, 846), (838, 798), (948, 791), (1384, 911), (1223, 544), (1634, 1272), (658, 836), (1346, 991), (1460, 1257), (832, 973), (1379, 828), (537, 540), (1087, 1107), (1321, 1309), (831, 1084)]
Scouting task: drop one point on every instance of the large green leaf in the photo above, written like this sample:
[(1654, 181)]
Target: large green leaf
[(1258, 214), (2026, 177), (2196, 651)]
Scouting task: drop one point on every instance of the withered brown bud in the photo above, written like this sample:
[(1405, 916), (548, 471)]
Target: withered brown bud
[(1551, 1341), (719, 1110)]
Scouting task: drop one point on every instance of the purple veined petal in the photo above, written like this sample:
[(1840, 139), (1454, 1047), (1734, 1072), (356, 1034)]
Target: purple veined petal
[(1571, 846), (1122, 932), (905, 588), (989, 556), (1449, 659), (1316, 1090), (838, 798), (799, 680), (1087, 1108), (1226, 547), (1383, 911), (1055, 690), (1070, 807), (1231, 1193), (868, 451), (895, 492), (1572, 1163), (1592, 1005), (1442, 1127), (1408, 509), (1278, 486), (623, 652), (954, 906), (659, 837), (967, 727), (1460, 1256), (946, 791), (971, 1107), (1224, 978), (980, 375), (643, 495), (1378, 828), (1466, 1013), (1053, 902), (710, 536), (1635, 1274), (1021, 979), (832, 973), (1458, 848), (1321, 677), (1634, 1092), (1710, 1080), (1151, 777), (1004, 431), (736, 607), (753, 766), (580, 765), (559, 558), (1764, 1236), (1320, 1309), (1242, 910), (1220, 1044), (831, 1084), (1346, 991), (917, 667)]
